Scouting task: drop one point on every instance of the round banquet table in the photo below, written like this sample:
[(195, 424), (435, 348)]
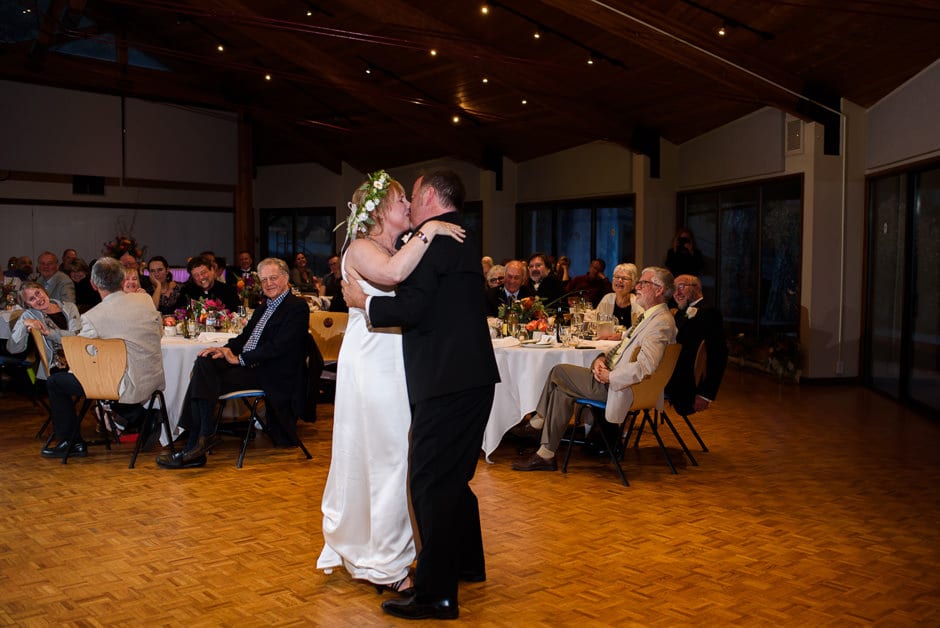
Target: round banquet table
[(5, 328), (523, 370), (178, 357)]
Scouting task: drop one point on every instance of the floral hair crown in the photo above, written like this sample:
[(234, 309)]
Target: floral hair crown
[(360, 216)]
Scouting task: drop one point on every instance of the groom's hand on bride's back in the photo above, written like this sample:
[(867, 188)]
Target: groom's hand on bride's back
[(353, 294)]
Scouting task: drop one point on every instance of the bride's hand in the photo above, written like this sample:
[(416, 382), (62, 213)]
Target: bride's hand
[(435, 227)]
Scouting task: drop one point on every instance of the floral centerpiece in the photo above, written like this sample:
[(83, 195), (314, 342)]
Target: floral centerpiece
[(8, 289), (249, 290), (528, 311), (123, 244), (785, 357), (204, 310)]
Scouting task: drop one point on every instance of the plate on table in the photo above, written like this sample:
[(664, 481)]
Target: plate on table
[(538, 345)]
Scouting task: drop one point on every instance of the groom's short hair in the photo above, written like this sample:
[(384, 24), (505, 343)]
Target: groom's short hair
[(448, 186)]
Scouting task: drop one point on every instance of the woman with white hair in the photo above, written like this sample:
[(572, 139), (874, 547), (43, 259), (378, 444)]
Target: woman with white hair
[(621, 304)]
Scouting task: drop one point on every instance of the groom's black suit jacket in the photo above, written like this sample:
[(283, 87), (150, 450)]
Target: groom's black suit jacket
[(440, 309), (706, 325)]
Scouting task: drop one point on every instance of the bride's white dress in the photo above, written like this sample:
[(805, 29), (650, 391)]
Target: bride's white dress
[(366, 522)]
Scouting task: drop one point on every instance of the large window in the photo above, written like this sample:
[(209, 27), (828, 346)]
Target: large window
[(307, 230), (902, 356), (581, 229), (750, 238)]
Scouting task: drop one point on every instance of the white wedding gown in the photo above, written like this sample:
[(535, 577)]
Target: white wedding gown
[(366, 522)]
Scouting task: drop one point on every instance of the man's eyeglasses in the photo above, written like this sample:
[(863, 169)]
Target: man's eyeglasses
[(644, 282)]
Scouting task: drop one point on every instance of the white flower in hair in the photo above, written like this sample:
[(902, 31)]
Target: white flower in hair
[(370, 205)]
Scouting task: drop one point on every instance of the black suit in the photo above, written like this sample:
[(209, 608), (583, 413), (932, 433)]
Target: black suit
[(276, 366), (220, 290), (706, 325), (451, 374), (550, 288), (497, 296)]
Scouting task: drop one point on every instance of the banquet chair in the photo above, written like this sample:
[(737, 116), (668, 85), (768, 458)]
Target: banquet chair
[(23, 369), (328, 329), (646, 397), (40, 348), (99, 365), (251, 397), (701, 361)]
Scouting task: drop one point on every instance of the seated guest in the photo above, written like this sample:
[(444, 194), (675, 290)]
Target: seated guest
[(561, 269), (53, 318), (513, 288), (56, 283), (496, 276), (593, 283), (621, 303), (22, 269), (302, 277), (129, 261), (86, 296), (610, 376), (166, 291), (245, 265), (67, 256), (132, 281), (697, 321), (203, 285), (133, 319), (544, 284), (268, 354), (213, 264), (331, 284)]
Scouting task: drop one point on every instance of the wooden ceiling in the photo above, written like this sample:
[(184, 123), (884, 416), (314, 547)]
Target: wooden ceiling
[(355, 81)]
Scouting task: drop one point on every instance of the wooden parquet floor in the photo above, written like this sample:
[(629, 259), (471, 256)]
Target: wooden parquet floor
[(816, 506)]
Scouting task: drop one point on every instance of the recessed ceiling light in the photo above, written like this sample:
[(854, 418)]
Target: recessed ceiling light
[(368, 70), (486, 80), (485, 10), (309, 13), (722, 30), (525, 102), (267, 77), (537, 35), (590, 61), (220, 48), (433, 52), (455, 119)]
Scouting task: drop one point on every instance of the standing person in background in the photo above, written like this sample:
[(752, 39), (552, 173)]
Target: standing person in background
[(451, 381), (684, 258), (561, 269)]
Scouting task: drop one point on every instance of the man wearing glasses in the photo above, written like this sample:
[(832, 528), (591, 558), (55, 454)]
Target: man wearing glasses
[(269, 354), (611, 374), (545, 284)]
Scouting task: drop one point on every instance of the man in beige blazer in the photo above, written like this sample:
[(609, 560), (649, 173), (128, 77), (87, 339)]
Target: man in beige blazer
[(610, 376), (133, 319)]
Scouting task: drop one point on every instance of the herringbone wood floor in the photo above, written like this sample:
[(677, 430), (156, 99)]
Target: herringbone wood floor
[(816, 506)]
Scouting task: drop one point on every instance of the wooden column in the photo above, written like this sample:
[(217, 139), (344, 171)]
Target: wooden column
[(244, 202)]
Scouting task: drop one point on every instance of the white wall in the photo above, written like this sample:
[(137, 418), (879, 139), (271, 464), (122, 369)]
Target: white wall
[(904, 126), (595, 169)]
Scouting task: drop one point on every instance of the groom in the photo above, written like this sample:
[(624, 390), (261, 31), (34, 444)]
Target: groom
[(451, 374)]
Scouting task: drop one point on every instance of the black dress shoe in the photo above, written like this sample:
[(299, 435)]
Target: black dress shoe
[(188, 459), (78, 449), (535, 463), (408, 608)]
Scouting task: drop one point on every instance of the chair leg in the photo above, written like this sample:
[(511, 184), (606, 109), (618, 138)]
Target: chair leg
[(611, 452), (662, 446), (150, 425), (251, 428), (694, 432), (664, 418)]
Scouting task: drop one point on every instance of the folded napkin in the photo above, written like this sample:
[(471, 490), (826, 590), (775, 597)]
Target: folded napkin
[(508, 341)]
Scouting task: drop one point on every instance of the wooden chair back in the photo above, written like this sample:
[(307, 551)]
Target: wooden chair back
[(40, 343), (98, 364), (647, 393), (328, 329)]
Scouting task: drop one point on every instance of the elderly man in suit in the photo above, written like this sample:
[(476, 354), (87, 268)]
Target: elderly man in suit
[(269, 354), (58, 285), (514, 288), (128, 316), (451, 380), (610, 376), (697, 322)]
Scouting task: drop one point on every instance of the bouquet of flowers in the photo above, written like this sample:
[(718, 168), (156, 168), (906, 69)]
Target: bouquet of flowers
[(7, 292), (528, 311), (123, 244), (249, 290)]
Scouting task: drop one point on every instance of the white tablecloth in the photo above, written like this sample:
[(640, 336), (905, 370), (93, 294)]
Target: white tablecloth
[(178, 357), (523, 371)]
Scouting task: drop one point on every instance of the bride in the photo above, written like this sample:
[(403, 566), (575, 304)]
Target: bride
[(366, 521)]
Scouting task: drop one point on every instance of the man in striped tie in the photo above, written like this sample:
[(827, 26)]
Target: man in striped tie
[(611, 374)]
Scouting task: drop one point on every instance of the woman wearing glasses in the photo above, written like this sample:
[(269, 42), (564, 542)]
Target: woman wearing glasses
[(621, 303)]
